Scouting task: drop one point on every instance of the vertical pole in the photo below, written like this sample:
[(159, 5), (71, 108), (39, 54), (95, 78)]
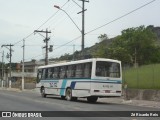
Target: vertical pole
[(46, 60), (73, 52), (2, 84), (2, 67), (46, 41), (23, 65), (10, 56), (10, 67), (83, 1)]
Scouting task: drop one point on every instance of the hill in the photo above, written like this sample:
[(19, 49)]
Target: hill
[(92, 51)]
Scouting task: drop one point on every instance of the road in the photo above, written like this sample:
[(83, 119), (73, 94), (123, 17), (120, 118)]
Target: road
[(32, 101)]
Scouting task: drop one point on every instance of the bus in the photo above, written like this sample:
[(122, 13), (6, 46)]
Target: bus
[(90, 78)]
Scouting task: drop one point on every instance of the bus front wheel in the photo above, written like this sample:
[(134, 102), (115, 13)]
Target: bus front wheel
[(43, 94), (92, 99)]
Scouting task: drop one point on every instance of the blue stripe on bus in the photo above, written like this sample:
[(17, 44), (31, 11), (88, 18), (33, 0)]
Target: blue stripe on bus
[(73, 85), (62, 91)]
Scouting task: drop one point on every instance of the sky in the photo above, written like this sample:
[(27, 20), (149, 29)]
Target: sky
[(19, 19)]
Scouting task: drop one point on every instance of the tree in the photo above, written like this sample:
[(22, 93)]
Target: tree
[(140, 41), (134, 45), (102, 37)]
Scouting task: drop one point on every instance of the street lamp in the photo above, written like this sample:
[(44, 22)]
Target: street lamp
[(68, 16), (82, 31)]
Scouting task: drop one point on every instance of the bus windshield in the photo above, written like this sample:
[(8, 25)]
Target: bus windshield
[(107, 69)]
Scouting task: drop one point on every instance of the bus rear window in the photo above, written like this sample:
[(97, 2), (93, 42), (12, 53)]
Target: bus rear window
[(107, 69)]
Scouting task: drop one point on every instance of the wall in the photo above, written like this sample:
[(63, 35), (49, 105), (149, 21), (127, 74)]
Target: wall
[(144, 94)]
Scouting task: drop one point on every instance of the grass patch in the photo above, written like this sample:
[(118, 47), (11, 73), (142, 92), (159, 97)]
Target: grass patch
[(144, 77)]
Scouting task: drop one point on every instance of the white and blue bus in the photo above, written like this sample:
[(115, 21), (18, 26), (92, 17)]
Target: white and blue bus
[(90, 78)]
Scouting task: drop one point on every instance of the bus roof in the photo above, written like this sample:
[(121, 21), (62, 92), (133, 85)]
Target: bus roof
[(79, 61)]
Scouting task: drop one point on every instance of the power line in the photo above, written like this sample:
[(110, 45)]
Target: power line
[(55, 48), (67, 43), (121, 16), (41, 25), (24, 38), (52, 16), (93, 29), (113, 20)]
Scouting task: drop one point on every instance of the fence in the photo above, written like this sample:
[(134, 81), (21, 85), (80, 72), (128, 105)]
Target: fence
[(28, 83), (143, 77)]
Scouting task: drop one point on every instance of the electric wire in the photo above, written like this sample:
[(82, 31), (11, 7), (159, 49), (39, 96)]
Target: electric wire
[(120, 17), (41, 25), (97, 27)]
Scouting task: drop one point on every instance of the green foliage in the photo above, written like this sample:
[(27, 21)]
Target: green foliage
[(102, 37), (66, 56), (135, 45)]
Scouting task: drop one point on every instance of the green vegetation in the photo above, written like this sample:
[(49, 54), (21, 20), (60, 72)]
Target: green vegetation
[(134, 45), (144, 77)]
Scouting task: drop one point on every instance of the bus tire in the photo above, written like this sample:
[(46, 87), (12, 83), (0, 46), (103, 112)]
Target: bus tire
[(69, 94), (74, 98), (63, 97), (43, 94), (92, 99)]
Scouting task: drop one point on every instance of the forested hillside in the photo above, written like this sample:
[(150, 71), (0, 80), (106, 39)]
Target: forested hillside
[(139, 45)]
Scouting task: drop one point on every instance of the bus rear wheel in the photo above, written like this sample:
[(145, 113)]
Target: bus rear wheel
[(69, 94), (92, 99)]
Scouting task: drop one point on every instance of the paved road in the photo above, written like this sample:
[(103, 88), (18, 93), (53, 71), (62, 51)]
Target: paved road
[(32, 101)]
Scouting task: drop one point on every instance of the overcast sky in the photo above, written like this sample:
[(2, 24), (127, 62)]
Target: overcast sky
[(19, 18)]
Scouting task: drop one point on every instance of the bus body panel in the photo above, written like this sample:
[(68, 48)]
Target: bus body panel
[(106, 88)]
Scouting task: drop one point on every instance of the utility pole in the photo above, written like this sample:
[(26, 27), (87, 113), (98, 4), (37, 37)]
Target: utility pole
[(10, 61), (23, 65), (2, 64), (73, 52), (46, 41), (83, 24)]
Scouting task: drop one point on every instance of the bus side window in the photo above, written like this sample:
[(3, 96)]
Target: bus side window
[(79, 70), (43, 73), (46, 73), (71, 71), (52, 73), (50, 76), (56, 73), (87, 70), (39, 75), (62, 73)]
